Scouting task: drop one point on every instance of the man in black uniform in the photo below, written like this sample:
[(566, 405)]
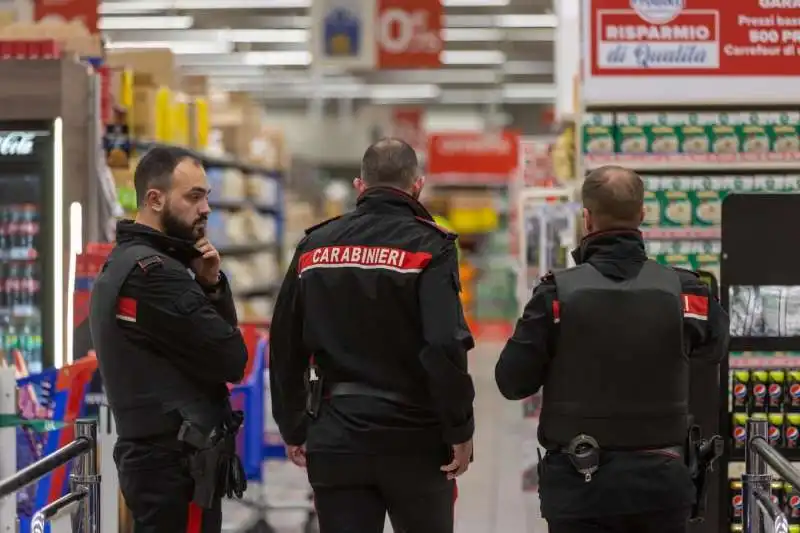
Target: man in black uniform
[(373, 298), (610, 341), (165, 331)]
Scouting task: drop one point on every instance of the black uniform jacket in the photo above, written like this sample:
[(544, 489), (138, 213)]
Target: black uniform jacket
[(373, 296), (635, 482), (164, 311)]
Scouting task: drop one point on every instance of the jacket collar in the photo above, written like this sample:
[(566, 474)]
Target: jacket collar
[(129, 231), (390, 200), (616, 254)]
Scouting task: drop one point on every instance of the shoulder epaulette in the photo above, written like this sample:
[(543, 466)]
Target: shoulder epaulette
[(150, 262), (686, 271), (442, 230), (324, 222)]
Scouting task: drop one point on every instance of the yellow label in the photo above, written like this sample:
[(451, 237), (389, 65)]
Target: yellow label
[(201, 122)]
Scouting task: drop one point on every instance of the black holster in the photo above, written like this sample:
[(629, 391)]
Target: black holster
[(314, 384), (215, 468), (700, 457)]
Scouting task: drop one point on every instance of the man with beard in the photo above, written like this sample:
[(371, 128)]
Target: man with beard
[(386, 421), (165, 330)]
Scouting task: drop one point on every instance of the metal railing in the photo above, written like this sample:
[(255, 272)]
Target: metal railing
[(83, 501), (760, 513)]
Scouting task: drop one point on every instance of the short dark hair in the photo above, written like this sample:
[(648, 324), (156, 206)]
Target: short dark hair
[(390, 162), (614, 196), (155, 169)]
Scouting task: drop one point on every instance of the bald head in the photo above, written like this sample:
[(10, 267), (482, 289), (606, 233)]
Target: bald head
[(613, 198), (390, 162)]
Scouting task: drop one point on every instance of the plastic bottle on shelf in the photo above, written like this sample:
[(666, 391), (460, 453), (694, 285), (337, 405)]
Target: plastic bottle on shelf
[(4, 240), (29, 287), (30, 226)]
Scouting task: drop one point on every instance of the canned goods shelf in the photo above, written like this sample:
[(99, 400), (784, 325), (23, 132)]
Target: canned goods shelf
[(715, 162), (682, 233), (765, 362)]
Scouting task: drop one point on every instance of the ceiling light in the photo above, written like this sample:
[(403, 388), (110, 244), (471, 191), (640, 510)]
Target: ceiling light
[(177, 47), (466, 35), (144, 6), (287, 58), (473, 57), (145, 23), (527, 21), (265, 36)]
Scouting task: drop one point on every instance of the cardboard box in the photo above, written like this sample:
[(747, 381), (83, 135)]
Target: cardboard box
[(151, 67)]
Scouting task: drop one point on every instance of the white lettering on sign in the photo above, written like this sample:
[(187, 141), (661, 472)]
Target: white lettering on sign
[(16, 143), (779, 4), (490, 145), (401, 31), (364, 257), (658, 33)]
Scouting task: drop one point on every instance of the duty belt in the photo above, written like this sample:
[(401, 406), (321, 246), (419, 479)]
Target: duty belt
[(359, 389)]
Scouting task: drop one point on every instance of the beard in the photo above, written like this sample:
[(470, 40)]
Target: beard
[(178, 229)]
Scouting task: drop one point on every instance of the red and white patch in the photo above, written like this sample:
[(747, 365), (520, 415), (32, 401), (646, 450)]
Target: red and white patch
[(364, 257), (126, 309), (556, 312), (695, 306)]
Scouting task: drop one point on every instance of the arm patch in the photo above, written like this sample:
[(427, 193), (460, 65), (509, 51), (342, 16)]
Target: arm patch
[(149, 263)]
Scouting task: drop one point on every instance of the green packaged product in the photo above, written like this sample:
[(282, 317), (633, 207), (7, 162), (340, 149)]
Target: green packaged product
[(684, 261), (598, 134), (676, 204), (753, 132), (707, 196), (784, 132), (708, 263), (631, 137), (696, 133), (724, 133)]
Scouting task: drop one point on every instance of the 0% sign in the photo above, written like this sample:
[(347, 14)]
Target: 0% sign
[(403, 31)]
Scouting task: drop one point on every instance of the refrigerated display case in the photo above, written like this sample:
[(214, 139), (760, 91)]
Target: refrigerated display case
[(31, 241)]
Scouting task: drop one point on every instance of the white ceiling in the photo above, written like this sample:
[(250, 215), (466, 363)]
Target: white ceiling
[(497, 51)]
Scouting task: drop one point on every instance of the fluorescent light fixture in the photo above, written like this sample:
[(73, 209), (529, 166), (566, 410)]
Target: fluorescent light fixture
[(527, 21), (75, 248), (298, 58), (529, 92), (473, 57), (265, 36), (59, 358), (404, 92), (465, 35), (145, 23), (177, 47), (144, 6)]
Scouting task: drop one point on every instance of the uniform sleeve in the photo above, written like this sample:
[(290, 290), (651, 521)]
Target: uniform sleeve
[(288, 360), (522, 366), (221, 298), (706, 324), (173, 312), (447, 341)]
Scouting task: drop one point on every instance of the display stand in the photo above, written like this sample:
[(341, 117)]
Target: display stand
[(765, 347)]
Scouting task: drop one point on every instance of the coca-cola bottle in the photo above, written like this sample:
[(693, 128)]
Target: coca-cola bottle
[(3, 295), (29, 227), (29, 287), (13, 286), (13, 227), (4, 240)]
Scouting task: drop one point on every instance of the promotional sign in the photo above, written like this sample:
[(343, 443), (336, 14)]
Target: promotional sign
[(645, 50), (342, 33), (387, 34), (84, 11), (473, 156), (409, 33), (408, 125)]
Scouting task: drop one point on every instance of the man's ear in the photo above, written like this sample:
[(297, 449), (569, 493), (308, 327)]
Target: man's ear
[(155, 199), (641, 216), (359, 185), (419, 184)]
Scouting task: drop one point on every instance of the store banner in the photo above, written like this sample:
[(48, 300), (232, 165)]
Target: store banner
[(409, 34), (377, 34), (343, 33), (705, 50), (83, 11), (408, 124), (476, 157)]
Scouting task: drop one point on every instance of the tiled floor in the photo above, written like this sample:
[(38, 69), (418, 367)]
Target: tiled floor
[(490, 496)]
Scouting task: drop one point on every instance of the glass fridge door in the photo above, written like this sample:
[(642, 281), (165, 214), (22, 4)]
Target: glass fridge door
[(21, 269)]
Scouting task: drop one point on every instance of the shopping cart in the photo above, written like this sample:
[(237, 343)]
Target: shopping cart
[(253, 445), (56, 395)]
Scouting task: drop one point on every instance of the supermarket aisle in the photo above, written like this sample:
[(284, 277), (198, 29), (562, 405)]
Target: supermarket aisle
[(491, 499)]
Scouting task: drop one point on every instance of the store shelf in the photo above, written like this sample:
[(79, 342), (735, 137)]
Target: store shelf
[(793, 454), (241, 203), (245, 249), (765, 362), (681, 233), (268, 290), (211, 161), (700, 162)]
